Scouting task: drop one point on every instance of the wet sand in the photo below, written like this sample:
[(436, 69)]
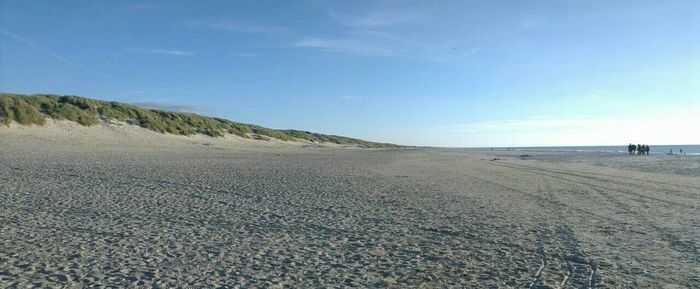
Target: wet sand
[(131, 208)]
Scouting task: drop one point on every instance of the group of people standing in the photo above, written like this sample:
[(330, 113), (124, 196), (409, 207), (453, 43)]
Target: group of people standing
[(638, 149)]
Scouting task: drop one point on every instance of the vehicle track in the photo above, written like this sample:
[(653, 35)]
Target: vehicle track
[(621, 201), (608, 179), (557, 175)]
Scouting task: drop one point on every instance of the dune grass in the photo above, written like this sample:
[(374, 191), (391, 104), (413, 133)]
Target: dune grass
[(34, 109)]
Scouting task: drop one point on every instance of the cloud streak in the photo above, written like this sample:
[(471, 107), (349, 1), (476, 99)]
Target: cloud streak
[(659, 128), (349, 97), (172, 52), (530, 124), (245, 54), (374, 19), (350, 46), (51, 53), (139, 7), (236, 26), (175, 52), (382, 44), (364, 38)]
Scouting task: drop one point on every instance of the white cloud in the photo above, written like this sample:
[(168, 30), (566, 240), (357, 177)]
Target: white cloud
[(384, 44), (245, 54), (351, 46), (373, 19), (236, 26), (670, 127), (349, 97), (528, 124), (172, 51), (55, 55), (139, 7), (176, 52)]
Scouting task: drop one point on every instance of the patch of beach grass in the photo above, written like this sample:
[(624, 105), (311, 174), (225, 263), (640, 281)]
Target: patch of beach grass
[(34, 109)]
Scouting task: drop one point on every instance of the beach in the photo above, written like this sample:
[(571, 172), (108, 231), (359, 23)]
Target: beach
[(123, 206), (676, 164)]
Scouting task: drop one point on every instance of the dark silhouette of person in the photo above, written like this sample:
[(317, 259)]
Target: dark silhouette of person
[(630, 149), (647, 149), (639, 149)]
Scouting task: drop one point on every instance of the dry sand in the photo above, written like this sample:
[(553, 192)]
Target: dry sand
[(121, 206)]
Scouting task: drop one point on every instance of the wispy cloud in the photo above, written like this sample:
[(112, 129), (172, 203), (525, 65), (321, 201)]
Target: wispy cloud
[(245, 54), (175, 107), (176, 52), (532, 22), (236, 26), (140, 7), (665, 127), (349, 97), (172, 52), (51, 53), (351, 46), (373, 19), (529, 124), (364, 37), (383, 44)]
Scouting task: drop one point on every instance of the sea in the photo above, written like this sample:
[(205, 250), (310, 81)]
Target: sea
[(654, 149)]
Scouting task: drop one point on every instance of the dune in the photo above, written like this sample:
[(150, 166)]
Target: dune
[(36, 109)]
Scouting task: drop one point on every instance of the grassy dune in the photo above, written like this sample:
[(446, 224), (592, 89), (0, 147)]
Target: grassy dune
[(34, 109)]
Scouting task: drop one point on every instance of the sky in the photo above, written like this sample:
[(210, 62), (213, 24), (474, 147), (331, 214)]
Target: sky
[(436, 73)]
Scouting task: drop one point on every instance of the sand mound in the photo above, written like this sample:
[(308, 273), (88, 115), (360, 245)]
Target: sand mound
[(117, 135)]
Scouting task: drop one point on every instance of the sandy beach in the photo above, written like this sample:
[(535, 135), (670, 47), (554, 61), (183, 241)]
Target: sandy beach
[(120, 206)]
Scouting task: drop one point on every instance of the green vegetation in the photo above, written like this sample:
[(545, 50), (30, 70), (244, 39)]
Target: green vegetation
[(34, 109)]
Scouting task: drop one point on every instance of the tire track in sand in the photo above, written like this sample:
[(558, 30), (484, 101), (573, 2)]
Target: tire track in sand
[(567, 261)]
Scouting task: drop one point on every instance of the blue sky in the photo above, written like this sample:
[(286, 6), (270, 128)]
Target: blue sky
[(443, 73)]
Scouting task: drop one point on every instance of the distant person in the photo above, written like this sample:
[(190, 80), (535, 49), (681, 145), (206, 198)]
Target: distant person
[(646, 149), (681, 151), (639, 149), (631, 148)]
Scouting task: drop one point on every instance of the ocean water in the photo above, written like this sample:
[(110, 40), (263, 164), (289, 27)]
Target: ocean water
[(654, 149)]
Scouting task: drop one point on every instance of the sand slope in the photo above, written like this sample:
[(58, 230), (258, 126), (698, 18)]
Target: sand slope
[(94, 207)]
